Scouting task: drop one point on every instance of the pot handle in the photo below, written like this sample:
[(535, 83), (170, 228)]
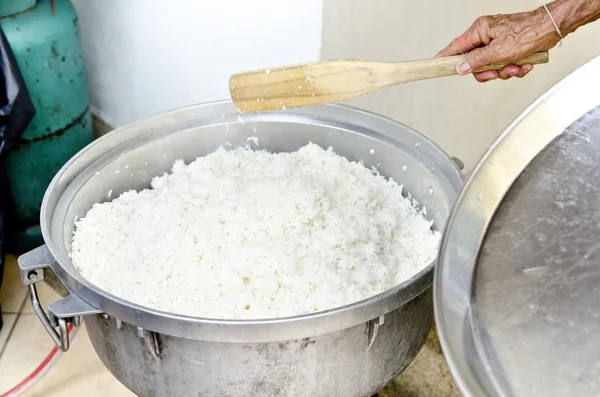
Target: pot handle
[(459, 163), (67, 310)]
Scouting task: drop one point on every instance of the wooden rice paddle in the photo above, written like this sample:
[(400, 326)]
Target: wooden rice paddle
[(333, 81)]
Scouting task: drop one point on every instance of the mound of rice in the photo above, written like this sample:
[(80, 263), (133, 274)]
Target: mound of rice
[(244, 234)]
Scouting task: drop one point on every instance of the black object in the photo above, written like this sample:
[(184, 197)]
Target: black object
[(16, 111)]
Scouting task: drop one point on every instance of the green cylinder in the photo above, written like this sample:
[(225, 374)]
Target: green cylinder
[(12, 7), (48, 50)]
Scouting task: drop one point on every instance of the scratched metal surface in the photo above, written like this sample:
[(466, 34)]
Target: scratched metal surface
[(537, 284)]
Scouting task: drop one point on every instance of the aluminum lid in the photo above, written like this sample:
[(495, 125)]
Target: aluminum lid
[(517, 288)]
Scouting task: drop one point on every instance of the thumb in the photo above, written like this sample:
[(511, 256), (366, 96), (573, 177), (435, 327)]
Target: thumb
[(479, 58)]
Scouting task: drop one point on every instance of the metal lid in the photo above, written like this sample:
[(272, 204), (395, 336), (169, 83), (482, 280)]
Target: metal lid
[(517, 289)]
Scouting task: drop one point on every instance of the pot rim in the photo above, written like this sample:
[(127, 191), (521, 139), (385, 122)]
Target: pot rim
[(255, 330)]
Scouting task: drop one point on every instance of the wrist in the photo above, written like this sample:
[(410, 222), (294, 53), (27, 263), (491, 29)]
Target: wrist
[(546, 22), (572, 14)]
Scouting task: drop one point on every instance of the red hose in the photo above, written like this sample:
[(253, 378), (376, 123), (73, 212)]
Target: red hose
[(40, 371)]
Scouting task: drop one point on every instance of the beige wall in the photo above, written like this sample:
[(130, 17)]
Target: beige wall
[(458, 113), (149, 56)]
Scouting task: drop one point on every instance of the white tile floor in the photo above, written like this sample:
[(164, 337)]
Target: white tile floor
[(24, 343)]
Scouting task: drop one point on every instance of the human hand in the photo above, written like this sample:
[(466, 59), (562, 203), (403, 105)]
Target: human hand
[(503, 38)]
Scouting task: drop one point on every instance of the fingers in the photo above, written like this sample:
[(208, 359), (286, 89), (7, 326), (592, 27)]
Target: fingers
[(509, 71), (525, 69), (460, 45), (477, 34), (479, 58), (488, 75), (504, 74), (448, 51)]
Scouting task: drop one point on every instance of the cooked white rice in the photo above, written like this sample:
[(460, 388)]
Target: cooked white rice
[(246, 234)]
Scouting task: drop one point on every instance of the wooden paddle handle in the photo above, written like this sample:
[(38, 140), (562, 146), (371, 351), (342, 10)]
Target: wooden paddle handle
[(446, 66), (534, 59), (339, 80)]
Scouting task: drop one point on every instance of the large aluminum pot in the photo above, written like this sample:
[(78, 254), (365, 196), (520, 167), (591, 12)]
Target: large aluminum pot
[(349, 351)]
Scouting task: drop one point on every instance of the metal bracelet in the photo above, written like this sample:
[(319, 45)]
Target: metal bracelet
[(555, 25)]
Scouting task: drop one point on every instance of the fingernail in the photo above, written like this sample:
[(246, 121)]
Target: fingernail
[(463, 66)]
